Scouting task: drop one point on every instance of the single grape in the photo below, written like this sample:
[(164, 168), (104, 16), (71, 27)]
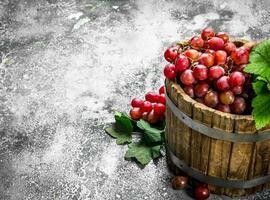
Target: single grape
[(137, 103), (207, 59), (222, 83), (236, 79), (189, 90), (220, 57), (201, 89), (171, 53), (216, 72), (226, 97), (169, 71), (207, 33), (152, 118), (216, 43), (229, 47), (237, 89), (161, 99), (196, 42), (159, 109), (181, 63), (212, 52), (200, 72), (223, 108), (161, 89), (151, 97), (144, 116), (147, 106), (135, 113), (187, 77), (240, 56), (238, 106), (192, 54), (223, 35), (211, 99)]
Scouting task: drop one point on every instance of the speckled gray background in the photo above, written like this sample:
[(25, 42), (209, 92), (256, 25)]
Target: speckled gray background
[(67, 64)]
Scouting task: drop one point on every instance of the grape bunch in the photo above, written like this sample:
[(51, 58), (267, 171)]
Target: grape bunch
[(152, 109), (210, 70)]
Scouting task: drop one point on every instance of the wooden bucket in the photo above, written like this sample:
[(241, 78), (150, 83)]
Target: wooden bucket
[(220, 149)]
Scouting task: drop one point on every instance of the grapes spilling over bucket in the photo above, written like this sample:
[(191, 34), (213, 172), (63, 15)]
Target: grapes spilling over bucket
[(210, 69)]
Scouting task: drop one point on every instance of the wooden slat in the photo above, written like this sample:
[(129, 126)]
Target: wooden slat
[(241, 153), (196, 139), (220, 150)]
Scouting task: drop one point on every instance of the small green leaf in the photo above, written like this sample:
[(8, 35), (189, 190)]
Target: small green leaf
[(151, 134), (261, 105), (259, 87), (156, 151), (259, 60), (121, 137), (122, 122), (142, 152)]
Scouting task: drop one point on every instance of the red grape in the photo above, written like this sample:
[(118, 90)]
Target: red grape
[(207, 33), (189, 90), (196, 42), (207, 59), (236, 79), (216, 43), (192, 54), (187, 77), (240, 56), (171, 53), (223, 108), (151, 97), (181, 63), (144, 116), (212, 52), (137, 103), (211, 99), (216, 72), (201, 193), (222, 83), (226, 97), (200, 72), (220, 57), (223, 35), (152, 118), (159, 109), (169, 71), (229, 47), (161, 99), (201, 89), (237, 89), (147, 106), (135, 113), (161, 89), (239, 105)]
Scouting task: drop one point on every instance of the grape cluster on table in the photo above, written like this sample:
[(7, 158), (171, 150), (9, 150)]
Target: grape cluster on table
[(152, 109), (210, 70)]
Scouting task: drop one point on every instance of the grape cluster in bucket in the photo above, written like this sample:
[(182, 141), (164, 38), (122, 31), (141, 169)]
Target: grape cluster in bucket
[(209, 68)]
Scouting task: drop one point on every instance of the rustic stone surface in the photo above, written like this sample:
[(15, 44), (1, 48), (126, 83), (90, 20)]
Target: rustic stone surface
[(68, 64)]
